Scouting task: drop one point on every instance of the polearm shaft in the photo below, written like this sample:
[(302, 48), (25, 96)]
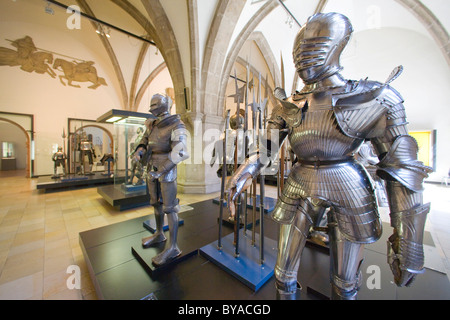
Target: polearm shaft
[(261, 182), (238, 211), (224, 177), (255, 141), (253, 212), (245, 151)]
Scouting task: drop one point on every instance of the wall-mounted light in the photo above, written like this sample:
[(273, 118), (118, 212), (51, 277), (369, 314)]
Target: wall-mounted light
[(103, 31), (48, 9)]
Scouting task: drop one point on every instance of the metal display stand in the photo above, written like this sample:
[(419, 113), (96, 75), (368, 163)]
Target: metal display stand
[(250, 261)]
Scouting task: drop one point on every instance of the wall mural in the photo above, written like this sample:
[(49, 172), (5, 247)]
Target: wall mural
[(33, 59)]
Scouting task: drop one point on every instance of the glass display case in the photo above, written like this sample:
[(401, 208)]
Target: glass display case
[(129, 189), (128, 173)]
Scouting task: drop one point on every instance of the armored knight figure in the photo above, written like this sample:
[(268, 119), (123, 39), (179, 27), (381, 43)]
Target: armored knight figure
[(59, 159), (232, 137), (164, 146), (86, 149), (327, 121), (137, 168)]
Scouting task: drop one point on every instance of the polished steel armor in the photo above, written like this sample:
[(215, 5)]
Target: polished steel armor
[(164, 145), (59, 158), (327, 122)]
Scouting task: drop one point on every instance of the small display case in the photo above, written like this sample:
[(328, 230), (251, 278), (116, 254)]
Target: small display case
[(130, 188)]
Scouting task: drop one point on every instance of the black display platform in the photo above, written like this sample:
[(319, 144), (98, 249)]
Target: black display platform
[(117, 274), (72, 180), (121, 200)]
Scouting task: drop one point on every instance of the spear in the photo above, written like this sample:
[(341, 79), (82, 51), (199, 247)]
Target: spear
[(64, 140), (224, 177), (238, 211), (261, 181), (254, 106), (283, 148)]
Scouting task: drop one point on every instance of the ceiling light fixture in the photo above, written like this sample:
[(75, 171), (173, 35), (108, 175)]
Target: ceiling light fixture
[(48, 9)]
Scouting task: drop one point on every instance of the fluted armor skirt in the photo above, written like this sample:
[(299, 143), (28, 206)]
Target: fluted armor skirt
[(344, 187)]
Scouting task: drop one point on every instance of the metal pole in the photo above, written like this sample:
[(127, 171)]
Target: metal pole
[(261, 182), (224, 177)]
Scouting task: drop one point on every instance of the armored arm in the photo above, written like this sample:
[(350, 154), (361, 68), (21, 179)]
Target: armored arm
[(141, 147), (404, 176)]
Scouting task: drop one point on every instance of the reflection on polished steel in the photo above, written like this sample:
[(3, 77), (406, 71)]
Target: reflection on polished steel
[(163, 145), (327, 122)]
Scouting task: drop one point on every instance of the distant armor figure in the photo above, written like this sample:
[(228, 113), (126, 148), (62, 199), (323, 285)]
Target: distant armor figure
[(326, 122), (232, 137), (86, 149), (137, 166), (164, 144), (59, 159)]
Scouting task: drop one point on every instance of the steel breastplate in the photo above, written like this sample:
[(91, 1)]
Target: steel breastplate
[(160, 133), (319, 138)]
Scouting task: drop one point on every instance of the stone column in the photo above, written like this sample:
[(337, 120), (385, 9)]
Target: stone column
[(195, 175)]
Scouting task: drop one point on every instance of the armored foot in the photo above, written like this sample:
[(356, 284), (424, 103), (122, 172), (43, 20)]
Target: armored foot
[(166, 256), (154, 239)]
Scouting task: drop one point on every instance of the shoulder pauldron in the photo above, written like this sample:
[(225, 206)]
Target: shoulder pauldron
[(361, 112), (289, 112)]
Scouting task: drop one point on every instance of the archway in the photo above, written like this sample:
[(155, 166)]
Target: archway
[(27, 145), (72, 145)]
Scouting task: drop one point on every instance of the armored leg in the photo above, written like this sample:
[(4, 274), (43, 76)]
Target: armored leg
[(155, 195), (158, 236), (171, 208), (345, 261), (290, 247)]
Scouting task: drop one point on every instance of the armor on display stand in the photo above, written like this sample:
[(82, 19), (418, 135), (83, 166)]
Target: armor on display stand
[(59, 159), (327, 122), (137, 165), (86, 149), (164, 145)]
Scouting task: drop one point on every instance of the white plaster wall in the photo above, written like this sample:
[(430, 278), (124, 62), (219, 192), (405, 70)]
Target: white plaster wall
[(45, 97), (424, 83)]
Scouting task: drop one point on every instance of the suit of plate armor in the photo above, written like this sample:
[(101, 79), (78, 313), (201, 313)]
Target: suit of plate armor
[(59, 158), (164, 141), (86, 149), (326, 124)]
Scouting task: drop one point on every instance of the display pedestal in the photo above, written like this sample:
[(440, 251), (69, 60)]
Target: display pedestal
[(144, 256), (117, 274), (247, 267), (134, 187), (72, 181), (122, 200)]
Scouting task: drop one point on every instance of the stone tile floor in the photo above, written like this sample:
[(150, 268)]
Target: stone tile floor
[(39, 234)]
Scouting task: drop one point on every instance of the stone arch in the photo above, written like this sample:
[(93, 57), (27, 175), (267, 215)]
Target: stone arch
[(168, 46), (431, 23), (161, 32), (71, 134), (236, 47), (225, 18), (268, 55), (28, 144)]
